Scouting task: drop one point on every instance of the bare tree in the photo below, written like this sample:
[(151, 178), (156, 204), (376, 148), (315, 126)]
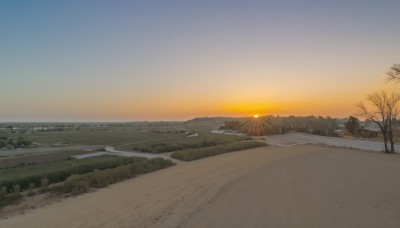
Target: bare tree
[(394, 73), (383, 111), (393, 119)]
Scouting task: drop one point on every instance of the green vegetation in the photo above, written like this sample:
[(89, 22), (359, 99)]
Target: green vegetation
[(201, 141), (53, 171), (13, 198), (76, 184), (80, 177), (206, 123), (114, 136), (110, 134), (353, 125), (12, 143), (194, 154), (58, 171), (16, 161), (48, 134), (10, 199), (271, 125)]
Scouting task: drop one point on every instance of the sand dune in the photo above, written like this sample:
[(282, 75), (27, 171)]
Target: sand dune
[(299, 186)]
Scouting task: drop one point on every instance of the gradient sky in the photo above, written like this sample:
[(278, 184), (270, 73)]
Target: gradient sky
[(153, 60)]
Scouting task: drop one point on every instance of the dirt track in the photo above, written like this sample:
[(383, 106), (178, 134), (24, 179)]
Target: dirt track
[(301, 138), (299, 186)]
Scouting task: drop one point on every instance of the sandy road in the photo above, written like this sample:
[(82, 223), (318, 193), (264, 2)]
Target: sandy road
[(301, 138), (324, 189), (112, 151), (299, 186)]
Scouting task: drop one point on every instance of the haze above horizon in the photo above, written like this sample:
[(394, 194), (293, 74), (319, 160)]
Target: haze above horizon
[(131, 60)]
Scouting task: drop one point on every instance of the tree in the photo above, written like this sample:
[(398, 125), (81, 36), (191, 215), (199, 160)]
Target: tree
[(394, 73), (393, 119), (353, 125), (383, 111)]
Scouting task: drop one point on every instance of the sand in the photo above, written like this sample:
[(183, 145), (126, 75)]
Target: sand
[(302, 138), (299, 186)]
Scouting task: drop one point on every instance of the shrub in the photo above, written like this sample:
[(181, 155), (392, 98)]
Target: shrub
[(194, 154), (63, 173), (10, 199), (3, 192), (44, 182), (17, 188), (76, 184), (31, 186), (30, 189), (203, 140)]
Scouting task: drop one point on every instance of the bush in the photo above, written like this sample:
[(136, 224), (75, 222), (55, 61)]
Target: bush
[(3, 192), (77, 184), (203, 140), (31, 186), (10, 199), (14, 143), (62, 174), (44, 182), (17, 188), (194, 154)]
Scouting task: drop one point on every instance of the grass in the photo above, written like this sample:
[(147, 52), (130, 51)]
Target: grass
[(110, 137), (112, 134), (198, 153), (30, 159), (58, 171), (11, 199), (97, 178), (204, 139), (77, 184)]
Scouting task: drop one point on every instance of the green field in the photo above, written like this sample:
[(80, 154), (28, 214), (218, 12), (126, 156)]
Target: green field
[(121, 135), (30, 159), (59, 170), (204, 139), (48, 162), (104, 133), (79, 176), (198, 153), (99, 137)]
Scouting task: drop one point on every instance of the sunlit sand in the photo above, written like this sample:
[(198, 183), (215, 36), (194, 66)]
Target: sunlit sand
[(300, 186)]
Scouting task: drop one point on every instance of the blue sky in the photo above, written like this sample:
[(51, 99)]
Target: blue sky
[(135, 60)]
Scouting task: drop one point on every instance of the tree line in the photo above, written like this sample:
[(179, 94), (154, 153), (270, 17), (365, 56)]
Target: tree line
[(270, 125)]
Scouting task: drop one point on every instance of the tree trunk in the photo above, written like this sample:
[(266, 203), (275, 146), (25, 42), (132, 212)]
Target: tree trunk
[(392, 146), (384, 133), (391, 142), (385, 141)]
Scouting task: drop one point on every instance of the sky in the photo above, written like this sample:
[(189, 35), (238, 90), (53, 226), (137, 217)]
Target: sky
[(175, 60)]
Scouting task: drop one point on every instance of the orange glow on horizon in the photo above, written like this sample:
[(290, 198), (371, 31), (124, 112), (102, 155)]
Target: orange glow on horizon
[(249, 109), (305, 107)]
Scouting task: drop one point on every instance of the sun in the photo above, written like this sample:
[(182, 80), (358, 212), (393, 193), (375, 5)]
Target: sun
[(255, 116)]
